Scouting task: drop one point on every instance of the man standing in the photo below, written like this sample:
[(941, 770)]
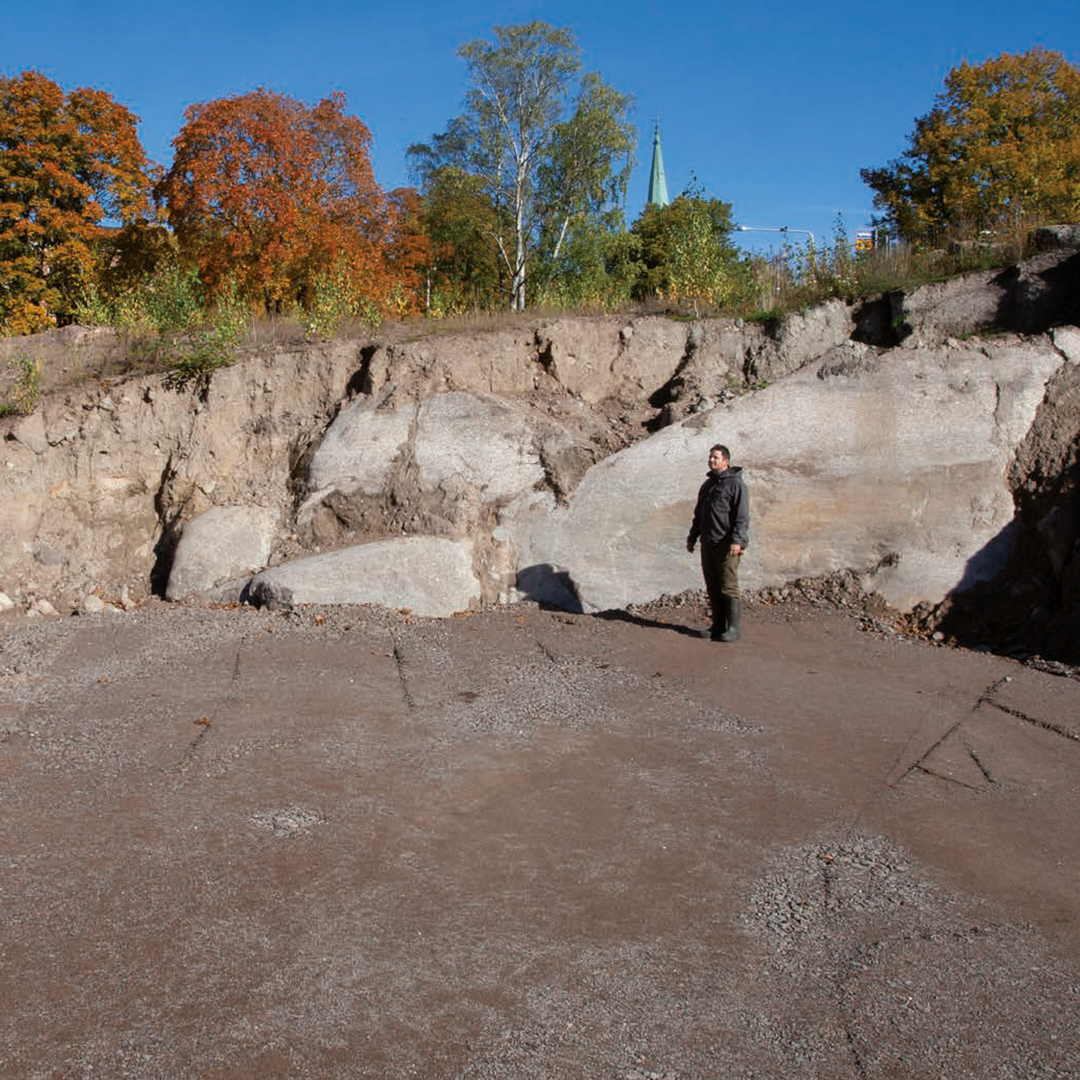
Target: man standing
[(722, 523)]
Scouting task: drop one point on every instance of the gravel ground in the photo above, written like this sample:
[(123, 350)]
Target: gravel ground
[(350, 843)]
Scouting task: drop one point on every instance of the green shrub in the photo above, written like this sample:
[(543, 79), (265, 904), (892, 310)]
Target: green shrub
[(213, 346), (173, 301), (338, 300), (26, 390)]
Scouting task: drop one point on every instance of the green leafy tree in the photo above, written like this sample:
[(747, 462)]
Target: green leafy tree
[(549, 146), (463, 271), (687, 252), (598, 266), (69, 163), (999, 147)]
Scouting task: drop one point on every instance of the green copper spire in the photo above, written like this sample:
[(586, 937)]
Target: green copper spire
[(657, 184)]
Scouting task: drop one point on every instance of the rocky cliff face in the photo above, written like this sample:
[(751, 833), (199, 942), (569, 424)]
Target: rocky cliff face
[(924, 441)]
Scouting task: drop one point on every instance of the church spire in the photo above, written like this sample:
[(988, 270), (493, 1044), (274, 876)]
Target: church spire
[(658, 195)]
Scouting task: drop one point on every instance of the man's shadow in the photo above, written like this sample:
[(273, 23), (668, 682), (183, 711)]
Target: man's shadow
[(554, 590), (618, 615)]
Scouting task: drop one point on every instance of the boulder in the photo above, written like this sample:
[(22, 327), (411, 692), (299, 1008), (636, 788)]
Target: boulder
[(434, 466), (931, 314), (360, 449), (1028, 298), (1056, 236), (472, 441), (431, 576), (226, 542), (803, 337)]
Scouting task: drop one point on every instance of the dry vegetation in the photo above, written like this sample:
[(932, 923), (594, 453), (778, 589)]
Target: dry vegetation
[(168, 330)]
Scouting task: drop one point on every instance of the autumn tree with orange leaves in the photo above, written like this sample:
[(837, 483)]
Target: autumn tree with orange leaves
[(1000, 148), (276, 195), (70, 164)]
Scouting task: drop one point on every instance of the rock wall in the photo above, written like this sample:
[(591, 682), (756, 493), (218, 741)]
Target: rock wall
[(557, 459), (894, 465), (97, 483)]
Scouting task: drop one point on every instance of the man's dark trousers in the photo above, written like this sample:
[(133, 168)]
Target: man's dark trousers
[(721, 572)]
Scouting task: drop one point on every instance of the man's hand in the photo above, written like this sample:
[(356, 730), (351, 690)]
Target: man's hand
[(735, 549), (690, 544)]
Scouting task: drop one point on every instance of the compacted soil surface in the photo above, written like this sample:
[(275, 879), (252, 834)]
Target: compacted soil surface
[(349, 843)]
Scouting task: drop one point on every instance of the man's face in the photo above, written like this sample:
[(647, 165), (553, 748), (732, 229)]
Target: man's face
[(717, 461)]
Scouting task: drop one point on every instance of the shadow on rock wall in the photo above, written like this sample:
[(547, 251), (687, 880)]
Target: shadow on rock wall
[(1034, 301), (1031, 608), (551, 588)]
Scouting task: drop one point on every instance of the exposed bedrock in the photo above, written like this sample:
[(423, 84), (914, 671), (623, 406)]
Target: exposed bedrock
[(893, 464)]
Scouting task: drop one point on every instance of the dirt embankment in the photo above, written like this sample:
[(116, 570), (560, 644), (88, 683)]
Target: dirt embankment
[(609, 381)]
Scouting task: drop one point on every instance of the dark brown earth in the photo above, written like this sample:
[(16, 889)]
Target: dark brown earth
[(351, 844)]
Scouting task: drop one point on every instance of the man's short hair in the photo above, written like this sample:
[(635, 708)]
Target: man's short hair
[(723, 450)]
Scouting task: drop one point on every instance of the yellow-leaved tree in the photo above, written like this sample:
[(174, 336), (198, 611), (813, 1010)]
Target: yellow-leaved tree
[(1000, 149), (70, 164)]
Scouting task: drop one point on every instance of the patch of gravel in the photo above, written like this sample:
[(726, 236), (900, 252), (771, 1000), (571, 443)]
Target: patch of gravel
[(852, 929), (289, 820), (30, 646), (576, 690), (813, 883)]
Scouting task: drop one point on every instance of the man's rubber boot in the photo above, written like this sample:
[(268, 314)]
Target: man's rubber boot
[(734, 618)]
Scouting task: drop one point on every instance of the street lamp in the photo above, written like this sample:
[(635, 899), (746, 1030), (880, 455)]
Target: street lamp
[(781, 229)]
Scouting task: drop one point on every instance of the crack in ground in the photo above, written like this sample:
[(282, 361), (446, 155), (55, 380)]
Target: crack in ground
[(828, 878), (206, 722), (399, 660), (918, 765), (985, 698), (1046, 725), (849, 1036), (949, 779), (189, 754), (229, 694), (549, 653), (978, 761)]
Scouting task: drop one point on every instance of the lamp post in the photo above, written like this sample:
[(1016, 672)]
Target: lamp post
[(781, 229)]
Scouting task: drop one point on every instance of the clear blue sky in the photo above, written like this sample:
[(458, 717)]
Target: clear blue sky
[(774, 107)]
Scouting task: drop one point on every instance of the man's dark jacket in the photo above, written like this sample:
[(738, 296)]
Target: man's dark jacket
[(722, 514)]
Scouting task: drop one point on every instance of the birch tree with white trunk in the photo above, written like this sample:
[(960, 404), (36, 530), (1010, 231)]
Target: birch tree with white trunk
[(548, 143)]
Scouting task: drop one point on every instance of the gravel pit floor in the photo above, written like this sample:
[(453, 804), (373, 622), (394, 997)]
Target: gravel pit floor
[(350, 843)]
